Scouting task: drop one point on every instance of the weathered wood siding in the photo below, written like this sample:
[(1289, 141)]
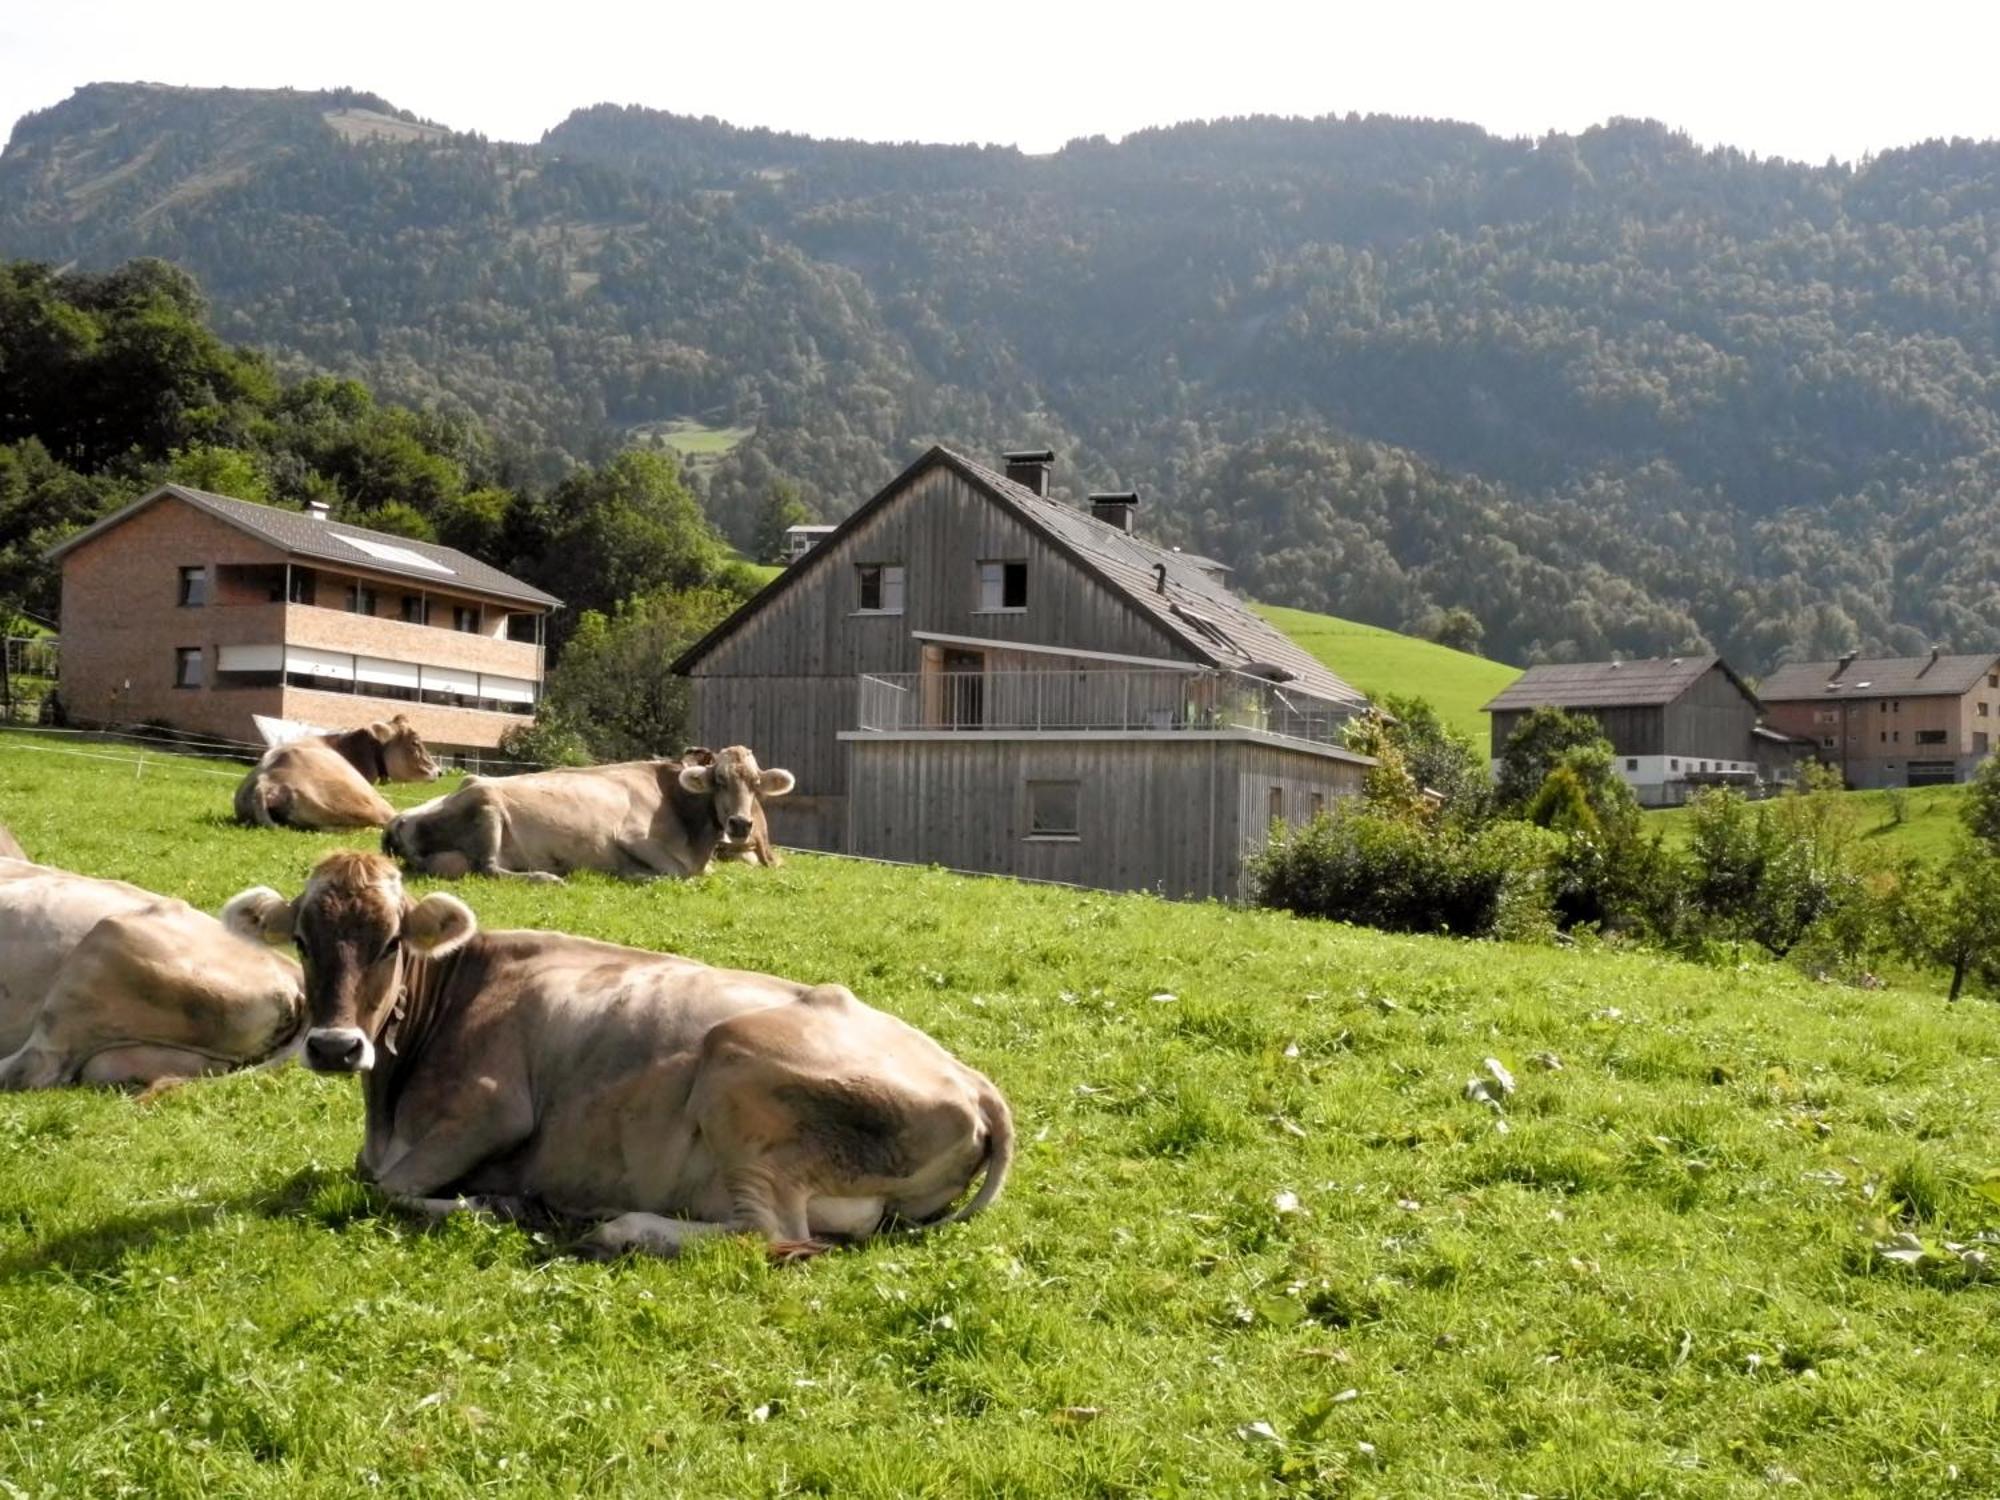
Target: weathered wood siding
[(783, 682), (1711, 719), (1173, 816)]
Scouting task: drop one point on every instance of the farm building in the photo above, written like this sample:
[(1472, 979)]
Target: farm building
[(972, 673), (198, 612), (1892, 720), (1676, 724)]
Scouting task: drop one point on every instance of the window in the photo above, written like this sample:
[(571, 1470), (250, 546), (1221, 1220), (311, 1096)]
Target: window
[(416, 610), (304, 586), (525, 628), (1318, 803), (1883, 736), (1631, 764), (1930, 736), (1895, 736), (1978, 742), (1985, 710), (1673, 765), (881, 588), (1826, 716), (465, 617), (188, 666), (360, 599), (194, 587), (1053, 809), (1993, 680), (1003, 585), (1275, 804), (1826, 743)]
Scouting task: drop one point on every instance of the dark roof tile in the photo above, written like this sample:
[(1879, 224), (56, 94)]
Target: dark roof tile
[(1648, 683), (1877, 677)]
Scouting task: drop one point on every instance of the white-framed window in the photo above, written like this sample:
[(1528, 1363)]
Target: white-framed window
[(194, 587), (189, 667), (1055, 809), (880, 588), (1003, 585)]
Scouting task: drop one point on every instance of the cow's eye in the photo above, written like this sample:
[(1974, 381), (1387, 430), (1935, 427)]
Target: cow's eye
[(390, 948)]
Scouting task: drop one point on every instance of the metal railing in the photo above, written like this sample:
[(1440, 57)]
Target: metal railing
[(1114, 700)]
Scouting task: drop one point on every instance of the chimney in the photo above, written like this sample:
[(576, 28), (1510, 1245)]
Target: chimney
[(1115, 510), (1030, 467), (1845, 662), (319, 510), (1936, 651)]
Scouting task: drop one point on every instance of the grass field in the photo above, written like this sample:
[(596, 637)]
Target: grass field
[(1258, 1240), (1931, 822), (1380, 661), (705, 445)]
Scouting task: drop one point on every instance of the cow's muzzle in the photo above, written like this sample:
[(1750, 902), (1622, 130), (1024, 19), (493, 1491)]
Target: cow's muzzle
[(737, 829), (339, 1049)]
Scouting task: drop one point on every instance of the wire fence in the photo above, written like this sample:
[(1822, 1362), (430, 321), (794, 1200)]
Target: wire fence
[(27, 678), (186, 745)]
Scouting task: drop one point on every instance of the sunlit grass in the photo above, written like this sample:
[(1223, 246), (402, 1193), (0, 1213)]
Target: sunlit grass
[(1251, 1191)]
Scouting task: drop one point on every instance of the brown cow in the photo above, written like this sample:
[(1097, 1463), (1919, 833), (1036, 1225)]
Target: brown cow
[(642, 819), (328, 780), (663, 1097), (10, 847), (755, 850), (102, 982)]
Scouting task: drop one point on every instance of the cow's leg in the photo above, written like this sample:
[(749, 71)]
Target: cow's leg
[(425, 1157), (146, 1066), (648, 859), (646, 1234)]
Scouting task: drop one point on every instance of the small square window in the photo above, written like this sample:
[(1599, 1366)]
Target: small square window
[(1673, 765), (1631, 764), (194, 587), (881, 588), (1318, 803), (1054, 809), (188, 667), (1003, 585)]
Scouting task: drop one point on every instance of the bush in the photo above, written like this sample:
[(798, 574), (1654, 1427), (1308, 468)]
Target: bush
[(1773, 872), (1357, 864)]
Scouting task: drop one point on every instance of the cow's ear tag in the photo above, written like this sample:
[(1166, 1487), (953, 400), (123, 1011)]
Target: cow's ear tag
[(439, 924)]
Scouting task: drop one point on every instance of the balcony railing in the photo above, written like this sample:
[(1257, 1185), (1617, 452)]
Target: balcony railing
[(1114, 700)]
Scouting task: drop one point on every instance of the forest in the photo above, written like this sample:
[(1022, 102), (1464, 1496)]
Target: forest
[(1609, 392)]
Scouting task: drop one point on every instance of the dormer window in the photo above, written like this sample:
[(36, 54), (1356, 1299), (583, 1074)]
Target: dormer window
[(1003, 586), (881, 588)]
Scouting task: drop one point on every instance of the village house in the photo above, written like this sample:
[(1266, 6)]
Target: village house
[(971, 673), (1675, 724), (200, 612), (1887, 721)]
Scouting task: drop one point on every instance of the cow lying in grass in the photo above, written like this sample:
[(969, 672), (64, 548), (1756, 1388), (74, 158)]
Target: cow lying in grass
[(641, 819), (328, 780), (102, 982), (10, 848), (659, 1096)]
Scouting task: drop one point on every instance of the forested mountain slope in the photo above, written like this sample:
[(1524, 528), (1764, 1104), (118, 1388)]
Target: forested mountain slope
[(1611, 392)]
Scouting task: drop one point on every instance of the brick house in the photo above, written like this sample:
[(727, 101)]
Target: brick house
[(1892, 720), (198, 611)]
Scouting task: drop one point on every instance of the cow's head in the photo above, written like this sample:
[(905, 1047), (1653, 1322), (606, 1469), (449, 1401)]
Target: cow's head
[(351, 925), (404, 756), (734, 784)]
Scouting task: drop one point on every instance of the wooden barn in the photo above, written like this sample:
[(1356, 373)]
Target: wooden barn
[(1677, 724), (971, 673)]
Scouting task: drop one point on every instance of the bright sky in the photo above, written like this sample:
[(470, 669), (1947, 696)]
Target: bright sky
[(1771, 76)]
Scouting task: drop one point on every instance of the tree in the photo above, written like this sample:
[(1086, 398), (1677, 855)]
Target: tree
[(1459, 628), (1536, 747), (780, 511), (1945, 916), (1438, 759), (1981, 811)]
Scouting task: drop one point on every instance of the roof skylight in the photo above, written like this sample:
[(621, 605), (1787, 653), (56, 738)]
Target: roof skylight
[(402, 557)]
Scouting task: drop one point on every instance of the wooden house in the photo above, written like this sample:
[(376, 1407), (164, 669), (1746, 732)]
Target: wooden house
[(202, 612), (972, 673), (1892, 720), (1676, 724)]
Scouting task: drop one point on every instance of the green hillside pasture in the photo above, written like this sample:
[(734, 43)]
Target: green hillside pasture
[(1258, 1240), (1931, 823), (705, 445), (1381, 662)]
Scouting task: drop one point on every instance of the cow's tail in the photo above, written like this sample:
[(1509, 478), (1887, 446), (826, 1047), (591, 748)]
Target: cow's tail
[(999, 1122)]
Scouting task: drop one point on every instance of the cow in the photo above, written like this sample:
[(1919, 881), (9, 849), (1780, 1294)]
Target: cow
[(755, 850), (10, 847), (328, 780), (642, 819), (651, 1094), (104, 983)]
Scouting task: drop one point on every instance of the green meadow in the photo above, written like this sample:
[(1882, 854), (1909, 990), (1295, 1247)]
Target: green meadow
[(1930, 823), (1381, 662), (1726, 1237)]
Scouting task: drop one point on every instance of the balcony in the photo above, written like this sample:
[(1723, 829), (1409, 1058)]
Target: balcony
[(1112, 701)]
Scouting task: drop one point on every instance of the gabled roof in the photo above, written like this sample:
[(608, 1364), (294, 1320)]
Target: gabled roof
[(1650, 683), (297, 534), (1878, 677), (1197, 613)]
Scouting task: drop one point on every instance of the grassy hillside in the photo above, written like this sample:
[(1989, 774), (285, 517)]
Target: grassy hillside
[(1930, 825), (1258, 1240), (1380, 661)]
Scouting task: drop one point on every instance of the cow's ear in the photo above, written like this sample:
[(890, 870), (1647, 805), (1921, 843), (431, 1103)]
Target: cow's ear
[(698, 779), (773, 782), (699, 755), (439, 924), (382, 732), (259, 914)]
